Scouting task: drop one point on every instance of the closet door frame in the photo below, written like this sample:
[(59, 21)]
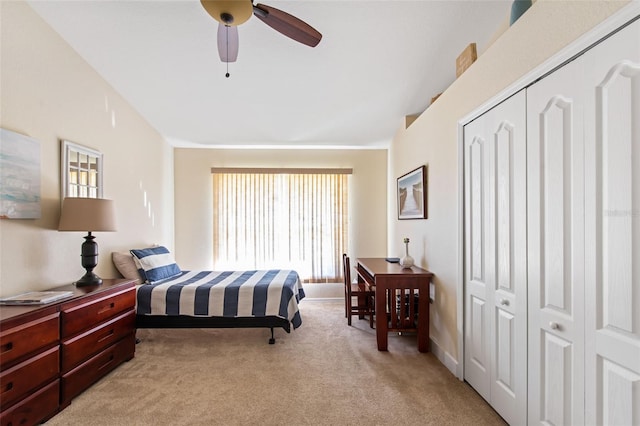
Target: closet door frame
[(600, 32)]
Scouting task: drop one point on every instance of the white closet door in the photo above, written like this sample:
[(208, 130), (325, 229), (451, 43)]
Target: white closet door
[(555, 141), (478, 323), (613, 230), (495, 290)]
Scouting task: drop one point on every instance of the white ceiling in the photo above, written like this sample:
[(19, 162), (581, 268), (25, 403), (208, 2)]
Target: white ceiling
[(378, 61)]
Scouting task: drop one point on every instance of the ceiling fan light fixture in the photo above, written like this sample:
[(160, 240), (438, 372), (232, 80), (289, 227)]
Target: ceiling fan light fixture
[(229, 12), (228, 43)]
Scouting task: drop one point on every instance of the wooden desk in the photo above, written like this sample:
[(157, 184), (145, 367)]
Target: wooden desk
[(395, 292)]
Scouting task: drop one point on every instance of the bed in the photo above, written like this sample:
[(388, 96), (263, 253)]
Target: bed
[(216, 299)]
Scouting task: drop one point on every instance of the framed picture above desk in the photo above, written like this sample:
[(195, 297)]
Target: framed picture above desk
[(412, 194)]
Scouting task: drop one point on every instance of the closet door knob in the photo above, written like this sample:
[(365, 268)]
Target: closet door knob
[(554, 325), (504, 302)]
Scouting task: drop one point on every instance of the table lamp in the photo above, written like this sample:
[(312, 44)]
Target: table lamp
[(88, 215)]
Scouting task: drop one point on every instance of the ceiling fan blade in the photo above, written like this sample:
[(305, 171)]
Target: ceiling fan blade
[(228, 43), (288, 25)]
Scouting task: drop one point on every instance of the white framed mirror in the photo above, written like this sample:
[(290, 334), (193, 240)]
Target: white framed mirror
[(81, 171)]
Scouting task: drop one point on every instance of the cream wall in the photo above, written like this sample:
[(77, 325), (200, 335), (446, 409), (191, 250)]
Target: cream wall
[(194, 195), (432, 139), (49, 93)]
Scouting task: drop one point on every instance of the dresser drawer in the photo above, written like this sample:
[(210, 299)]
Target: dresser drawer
[(80, 378), (83, 346), (19, 341), (80, 317), (32, 410), (23, 378)]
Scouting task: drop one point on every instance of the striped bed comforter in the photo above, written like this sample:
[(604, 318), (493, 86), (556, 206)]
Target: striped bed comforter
[(225, 294)]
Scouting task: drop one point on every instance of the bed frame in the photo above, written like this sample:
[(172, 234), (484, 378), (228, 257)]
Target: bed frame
[(184, 321)]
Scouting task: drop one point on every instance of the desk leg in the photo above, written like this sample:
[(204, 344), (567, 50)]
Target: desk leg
[(381, 318), (423, 321)]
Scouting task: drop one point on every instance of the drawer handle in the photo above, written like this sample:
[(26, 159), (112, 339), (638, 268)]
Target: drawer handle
[(106, 364), (504, 302), (7, 388), (23, 421), (554, 325), (105, 336), (6, 347), (107, 308)]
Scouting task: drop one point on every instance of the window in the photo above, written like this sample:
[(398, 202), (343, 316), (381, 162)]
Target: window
[(281, 218), (81, 171)]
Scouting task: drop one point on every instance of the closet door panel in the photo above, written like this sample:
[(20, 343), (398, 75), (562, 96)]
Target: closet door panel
[(613, 229), (620, 394), (556, 370), (495, 229), (620, 178), (559, 159), (477, 324), (505, 357), (507, 123), (555, 190)]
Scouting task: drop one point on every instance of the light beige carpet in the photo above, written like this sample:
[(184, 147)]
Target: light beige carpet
[(324, 373)]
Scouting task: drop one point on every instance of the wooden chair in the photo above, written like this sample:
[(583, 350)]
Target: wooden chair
[(362, 291)]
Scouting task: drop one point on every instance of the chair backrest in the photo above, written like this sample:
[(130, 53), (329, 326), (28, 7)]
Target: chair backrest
[(346, 266)]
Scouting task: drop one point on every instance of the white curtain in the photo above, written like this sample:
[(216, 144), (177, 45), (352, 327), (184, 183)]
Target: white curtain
[(265, 220)]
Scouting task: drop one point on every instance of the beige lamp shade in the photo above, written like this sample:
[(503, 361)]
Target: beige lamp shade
[(87, 214)]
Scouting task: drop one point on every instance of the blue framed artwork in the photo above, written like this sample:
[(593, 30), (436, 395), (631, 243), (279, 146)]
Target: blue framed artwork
[(19, 176)]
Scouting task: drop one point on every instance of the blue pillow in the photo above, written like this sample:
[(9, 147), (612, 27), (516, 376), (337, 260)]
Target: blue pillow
[(156, 264)]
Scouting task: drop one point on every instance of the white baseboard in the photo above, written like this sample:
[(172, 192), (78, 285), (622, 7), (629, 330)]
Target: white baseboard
[(444, 357), (324, 290)]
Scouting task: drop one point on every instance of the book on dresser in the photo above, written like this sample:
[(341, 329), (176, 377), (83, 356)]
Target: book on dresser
[(36, 298)]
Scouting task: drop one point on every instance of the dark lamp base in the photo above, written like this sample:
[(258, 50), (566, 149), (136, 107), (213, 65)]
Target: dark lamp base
[(89, 279), (89, 261)]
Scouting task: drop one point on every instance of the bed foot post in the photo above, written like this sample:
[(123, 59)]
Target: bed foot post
[(273, 339)]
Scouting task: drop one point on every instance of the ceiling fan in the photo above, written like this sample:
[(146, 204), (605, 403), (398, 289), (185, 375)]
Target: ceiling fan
[(231, 13)]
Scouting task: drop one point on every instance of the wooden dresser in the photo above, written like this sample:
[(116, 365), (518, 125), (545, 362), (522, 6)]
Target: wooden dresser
[(49, 354)]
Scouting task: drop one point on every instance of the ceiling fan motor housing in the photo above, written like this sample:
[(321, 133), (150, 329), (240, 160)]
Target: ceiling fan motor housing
[(229, 12), (227, 18)]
